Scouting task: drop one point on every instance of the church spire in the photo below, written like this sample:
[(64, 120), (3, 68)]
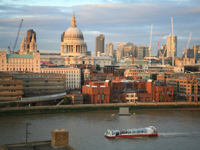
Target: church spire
[(23, 40), (73, 21)]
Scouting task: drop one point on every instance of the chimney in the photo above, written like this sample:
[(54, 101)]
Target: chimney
[(59, 137)]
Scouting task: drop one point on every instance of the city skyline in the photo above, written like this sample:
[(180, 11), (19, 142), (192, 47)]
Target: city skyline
[(119, 21)]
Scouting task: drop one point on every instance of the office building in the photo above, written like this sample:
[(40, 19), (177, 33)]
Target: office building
[(143, 51), (38, 84), (20, 62), (73, 75), (99, 44), (196, 49), (172, 46), (110, 48), (10, 89)]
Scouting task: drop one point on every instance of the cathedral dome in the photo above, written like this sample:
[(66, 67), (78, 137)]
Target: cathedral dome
[(73, 32)]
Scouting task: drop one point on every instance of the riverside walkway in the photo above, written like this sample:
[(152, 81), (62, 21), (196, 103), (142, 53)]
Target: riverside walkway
[(153, 104)]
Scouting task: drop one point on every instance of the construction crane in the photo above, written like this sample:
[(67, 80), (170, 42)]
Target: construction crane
[(173, 46), (185, 50), (17, 35), (158, 43), (150, 45), (189, 40), (162, 55), (9, 50)]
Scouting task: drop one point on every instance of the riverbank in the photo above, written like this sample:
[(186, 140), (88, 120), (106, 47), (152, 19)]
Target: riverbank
[(98, 107)]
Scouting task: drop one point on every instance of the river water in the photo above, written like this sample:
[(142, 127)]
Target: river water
[(178, 130)]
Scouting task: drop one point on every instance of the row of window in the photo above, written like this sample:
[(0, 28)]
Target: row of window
[(20, 61), (63, 72), (7, 85), (7, 90), (19, 69), (102, 96), (102, 91), (72, 82)]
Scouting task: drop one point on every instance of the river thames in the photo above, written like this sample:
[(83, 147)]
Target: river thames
[(176, 129)]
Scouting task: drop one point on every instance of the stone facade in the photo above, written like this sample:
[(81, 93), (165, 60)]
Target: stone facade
[(20, 62), (72, 41), (73, 75)]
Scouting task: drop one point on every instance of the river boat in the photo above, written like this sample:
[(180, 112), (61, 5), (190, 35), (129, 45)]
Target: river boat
[(148, 131)]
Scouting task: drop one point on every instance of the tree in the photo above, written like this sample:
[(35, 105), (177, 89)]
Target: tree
[(98, 68), (161, 98), (67, 101)]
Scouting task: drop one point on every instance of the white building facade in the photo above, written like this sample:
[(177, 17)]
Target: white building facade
[(73, 75)]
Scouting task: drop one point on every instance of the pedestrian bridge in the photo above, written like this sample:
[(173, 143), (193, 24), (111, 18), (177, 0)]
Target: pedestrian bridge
[(38, 98), (44, 98)]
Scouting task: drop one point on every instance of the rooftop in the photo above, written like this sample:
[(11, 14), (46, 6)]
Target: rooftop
[(42, 145), (19, 56)]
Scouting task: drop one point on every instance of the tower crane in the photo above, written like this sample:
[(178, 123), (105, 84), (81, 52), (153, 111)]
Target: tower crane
[(17, 35), (150, 45), (162, 55), (173, 46), (158, 43), (185, 50), (189, 40)]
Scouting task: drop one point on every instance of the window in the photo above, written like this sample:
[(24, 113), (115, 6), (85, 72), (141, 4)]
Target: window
[(98, 96), (102, 91), (98, 91), (102, 96)]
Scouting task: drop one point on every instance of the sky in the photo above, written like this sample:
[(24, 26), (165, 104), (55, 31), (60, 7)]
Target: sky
[(119, 20)]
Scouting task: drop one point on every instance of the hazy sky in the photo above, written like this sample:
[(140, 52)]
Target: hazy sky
[(118, 20)]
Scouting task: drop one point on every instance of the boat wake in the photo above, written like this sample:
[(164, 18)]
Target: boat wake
[(175, 134)]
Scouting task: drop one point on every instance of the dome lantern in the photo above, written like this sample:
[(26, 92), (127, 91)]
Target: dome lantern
[(73, 24)]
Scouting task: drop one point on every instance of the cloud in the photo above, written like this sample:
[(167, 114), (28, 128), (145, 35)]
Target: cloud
[(125, 21)]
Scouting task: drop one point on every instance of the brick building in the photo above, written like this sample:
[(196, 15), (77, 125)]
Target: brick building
[(96, 92), (127, 89), (187, 85), (121, 88), (163, 93)]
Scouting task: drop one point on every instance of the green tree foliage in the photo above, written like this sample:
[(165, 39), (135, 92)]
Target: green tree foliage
[(98, 68), (180, 98), (67, 101), (161, 98)]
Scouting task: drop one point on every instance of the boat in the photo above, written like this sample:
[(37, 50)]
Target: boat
[(147, 131)]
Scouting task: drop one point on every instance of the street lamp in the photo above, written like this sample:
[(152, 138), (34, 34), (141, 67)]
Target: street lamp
[(27, 124)]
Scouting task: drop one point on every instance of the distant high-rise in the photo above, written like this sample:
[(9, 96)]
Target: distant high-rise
[(143, 51), (196, 52), (172, 46), (29, 45), (99, 44), (30, 34), (109, 47)]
